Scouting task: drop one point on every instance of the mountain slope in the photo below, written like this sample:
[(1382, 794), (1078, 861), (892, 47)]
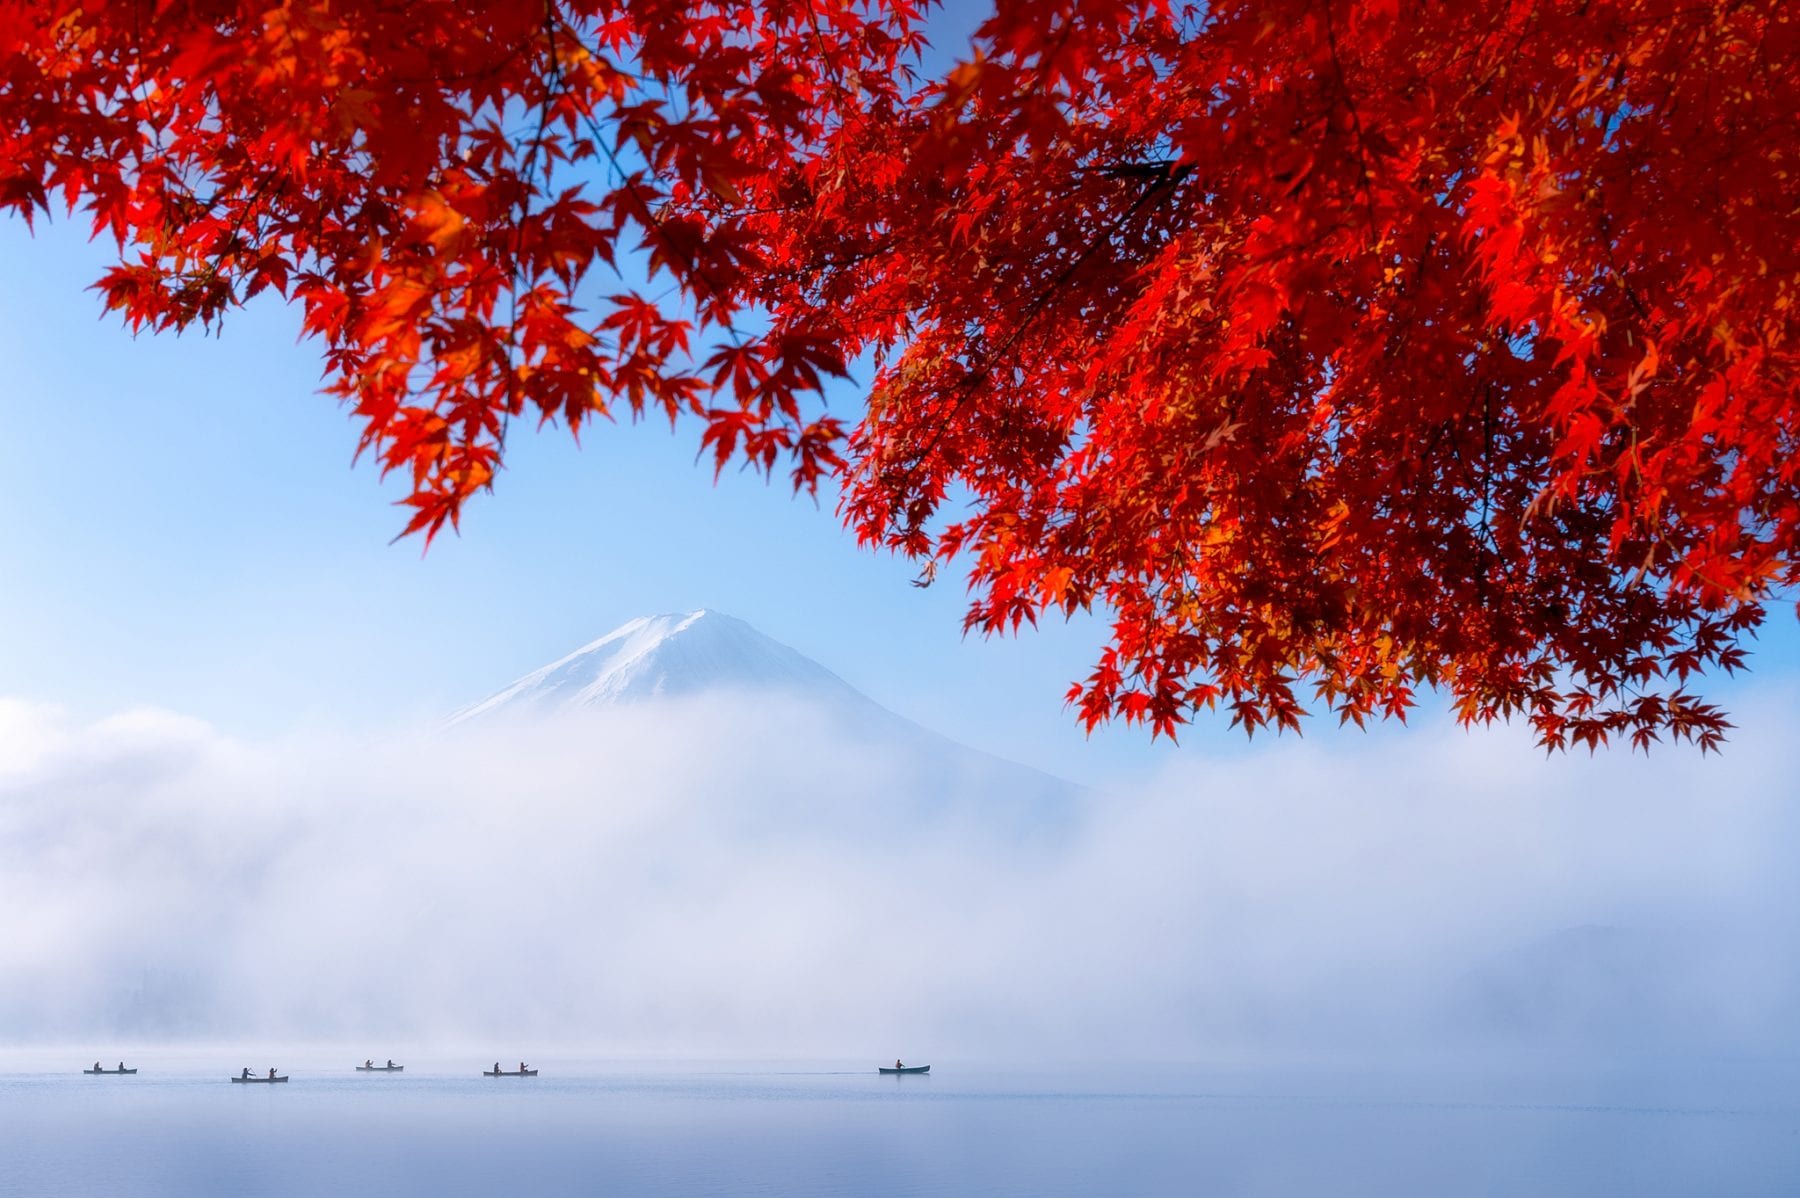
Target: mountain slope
[(662, 657), (722, 663)]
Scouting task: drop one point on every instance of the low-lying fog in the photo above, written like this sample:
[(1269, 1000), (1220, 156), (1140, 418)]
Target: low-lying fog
[(721, 877)]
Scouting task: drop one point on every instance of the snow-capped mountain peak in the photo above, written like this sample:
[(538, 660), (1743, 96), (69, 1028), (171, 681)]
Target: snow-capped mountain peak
[(666, 656), (746, 679)]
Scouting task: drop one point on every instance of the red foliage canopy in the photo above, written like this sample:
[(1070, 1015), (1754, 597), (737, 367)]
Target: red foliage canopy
[(1337, 349)]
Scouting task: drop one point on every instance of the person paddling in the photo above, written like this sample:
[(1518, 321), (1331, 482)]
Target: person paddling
[(897, 1063), (271, 1073), (390, 1063), (96, 1066), (246, 1073)]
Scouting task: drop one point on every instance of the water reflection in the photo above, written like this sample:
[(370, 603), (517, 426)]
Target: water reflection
[(837, 1127)]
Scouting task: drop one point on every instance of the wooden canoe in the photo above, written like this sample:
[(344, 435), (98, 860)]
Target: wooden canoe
[(109, 1071), (905, 1069), (380, 1068), (263, 1080), (509, 1073)]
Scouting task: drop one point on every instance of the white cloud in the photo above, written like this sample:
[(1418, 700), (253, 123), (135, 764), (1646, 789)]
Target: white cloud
[(706, 877)]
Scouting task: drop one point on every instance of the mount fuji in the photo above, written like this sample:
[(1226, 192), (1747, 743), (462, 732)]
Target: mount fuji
[(667, 657), (717, 670)]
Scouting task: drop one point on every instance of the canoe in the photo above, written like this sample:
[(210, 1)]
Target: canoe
[(379, 1068), (109, 1070), (264, 1080), (509, 1073), (905, 1069)]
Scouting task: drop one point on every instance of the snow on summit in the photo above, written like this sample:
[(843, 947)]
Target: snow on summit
[(708, 653), (667, 656)]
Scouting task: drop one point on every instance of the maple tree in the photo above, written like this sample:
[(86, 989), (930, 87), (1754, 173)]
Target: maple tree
[(1338, 350)]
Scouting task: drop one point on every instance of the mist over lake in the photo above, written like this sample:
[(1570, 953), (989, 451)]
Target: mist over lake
[(773, 871), (706, 910)]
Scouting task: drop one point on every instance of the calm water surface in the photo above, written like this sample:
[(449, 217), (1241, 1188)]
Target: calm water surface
[(590, 1127)]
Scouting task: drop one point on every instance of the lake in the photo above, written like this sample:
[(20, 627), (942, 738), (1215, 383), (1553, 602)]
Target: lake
[(816, 1128)]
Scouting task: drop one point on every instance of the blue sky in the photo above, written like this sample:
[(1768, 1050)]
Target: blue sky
[(180, 525)]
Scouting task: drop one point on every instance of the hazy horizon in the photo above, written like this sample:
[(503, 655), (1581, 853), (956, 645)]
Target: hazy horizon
[(740, 875)]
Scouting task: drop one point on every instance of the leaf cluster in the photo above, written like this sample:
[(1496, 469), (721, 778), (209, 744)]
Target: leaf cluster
[(1340, 351)]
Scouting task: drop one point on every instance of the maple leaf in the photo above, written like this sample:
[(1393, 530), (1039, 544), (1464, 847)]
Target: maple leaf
[(1386, 354)]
